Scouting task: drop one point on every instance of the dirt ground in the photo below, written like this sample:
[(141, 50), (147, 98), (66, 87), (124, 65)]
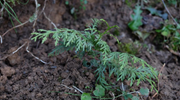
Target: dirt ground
[(23, 77)]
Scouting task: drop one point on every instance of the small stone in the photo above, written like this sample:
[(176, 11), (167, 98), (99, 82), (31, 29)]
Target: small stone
[(3, 96), (67, 82), (53, 67), (127, 82), (3, 79), (30, 78), (63, 95), (15, 58), (67, 22), (38, 95), (87, 73), (64, 74), (46, 71), (91, 76), (7, 71), (8, 88), (15, 87), (2, 88)]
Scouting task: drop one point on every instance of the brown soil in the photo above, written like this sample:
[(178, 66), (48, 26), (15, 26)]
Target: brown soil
[(22, 77)]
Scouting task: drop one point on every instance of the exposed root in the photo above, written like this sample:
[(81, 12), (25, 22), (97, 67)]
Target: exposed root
[(172, 51), (27, 42), (35, 56), (13, 52), (12, 29), (47, 17)]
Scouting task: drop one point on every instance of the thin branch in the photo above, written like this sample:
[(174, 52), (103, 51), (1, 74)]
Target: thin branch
[(27, 42), (3, 7), (49, 20), (128, 93), (15, 27), (34, 55), (122, 86), (14, 51), (1, 39), (169, 13), (158, 78), (172, 51), (47, 17), (36, 12), (43, 7), (67, 87), (77, 89)]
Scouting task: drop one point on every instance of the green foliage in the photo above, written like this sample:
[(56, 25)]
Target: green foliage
[(135, 98), (9, 9), (75, 9), (153, 11), (83, 3), (130, 48), (142, 35), (13, 1), (173, 2), (99, 91), (89, 41), (86, 96), (130, 2), (172, 35), (102, 96), (136, 19), (127, 95), (144, 91)]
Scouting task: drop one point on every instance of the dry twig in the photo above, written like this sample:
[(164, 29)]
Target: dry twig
[(2, 7), (172, 51), (13, 51), (15, 27), (27, 42), (169, 13), (36, 12), (77, 89), (67, 87), (0, 39), (158, 78)]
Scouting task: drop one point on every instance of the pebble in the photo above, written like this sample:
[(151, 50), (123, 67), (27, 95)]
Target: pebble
[(64, 74), (15, 58), (2, 88), (7, 71)]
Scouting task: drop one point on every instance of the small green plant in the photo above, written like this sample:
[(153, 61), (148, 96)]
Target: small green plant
[(136, 19), (99, 93), (130, 48), (130, 2), (75, 9), (159, 13), (173, 2), (6, 5), (86, 96), (171, 34), (89, 42)]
